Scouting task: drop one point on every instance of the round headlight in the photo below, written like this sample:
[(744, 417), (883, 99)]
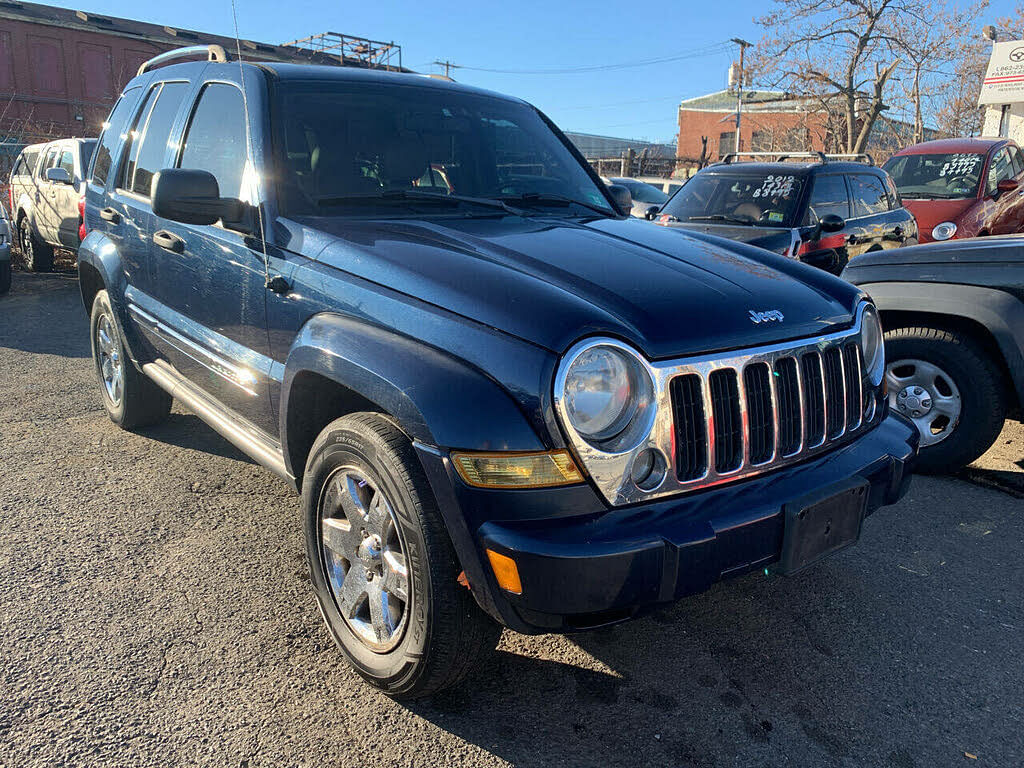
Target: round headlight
[(871, 344), (944, 231), (602, 392)]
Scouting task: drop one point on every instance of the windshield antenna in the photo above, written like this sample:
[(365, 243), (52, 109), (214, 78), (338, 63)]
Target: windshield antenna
[(277, 284)]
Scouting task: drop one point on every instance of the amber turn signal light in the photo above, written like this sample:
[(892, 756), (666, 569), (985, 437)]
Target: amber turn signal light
[(505, 571), (517, 470)]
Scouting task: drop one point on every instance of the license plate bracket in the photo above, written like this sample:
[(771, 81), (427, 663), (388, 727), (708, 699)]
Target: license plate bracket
[(821, 524)]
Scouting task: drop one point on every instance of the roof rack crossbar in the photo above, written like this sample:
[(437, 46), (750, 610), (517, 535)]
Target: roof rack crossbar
[(211, 52)]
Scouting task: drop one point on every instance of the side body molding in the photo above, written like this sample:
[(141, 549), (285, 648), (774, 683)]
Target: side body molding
[(438, 399), (1000, 312)]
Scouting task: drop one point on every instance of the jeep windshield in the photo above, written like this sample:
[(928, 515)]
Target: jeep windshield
[(946, 176), (359, 149), (743, 199)]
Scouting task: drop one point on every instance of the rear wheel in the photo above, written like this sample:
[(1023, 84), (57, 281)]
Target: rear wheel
[(947, 384), (37, 255), (130, 398), (382, 566)]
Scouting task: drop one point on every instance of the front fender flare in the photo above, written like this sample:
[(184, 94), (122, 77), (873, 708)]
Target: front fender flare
[(436, 398)]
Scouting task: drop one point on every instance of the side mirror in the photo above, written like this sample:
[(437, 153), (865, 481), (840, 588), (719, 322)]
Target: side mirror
[(192, 197), (1004, 185), (621, 196), (831, 223), (58, 175), (652, 212)]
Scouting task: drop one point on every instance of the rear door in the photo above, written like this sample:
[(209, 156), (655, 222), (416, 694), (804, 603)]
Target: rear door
[(210, 284)]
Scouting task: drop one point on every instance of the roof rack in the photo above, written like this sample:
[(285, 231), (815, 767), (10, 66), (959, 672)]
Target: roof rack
[(821, 157), (211, 52)]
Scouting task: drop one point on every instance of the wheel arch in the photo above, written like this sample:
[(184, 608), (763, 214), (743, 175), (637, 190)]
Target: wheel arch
[(339, 365), (992, 318)]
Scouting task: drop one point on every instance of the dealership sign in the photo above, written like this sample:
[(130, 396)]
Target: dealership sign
[(1004, 80)]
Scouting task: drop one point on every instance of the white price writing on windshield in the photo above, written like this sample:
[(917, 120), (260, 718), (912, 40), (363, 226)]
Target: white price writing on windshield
[(959, 165), (776, 186)]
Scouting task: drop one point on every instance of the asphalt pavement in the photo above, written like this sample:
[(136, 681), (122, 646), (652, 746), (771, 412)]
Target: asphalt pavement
[(155, 611)]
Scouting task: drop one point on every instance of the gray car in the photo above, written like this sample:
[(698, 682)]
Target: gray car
[(645, 196), (46, 186)]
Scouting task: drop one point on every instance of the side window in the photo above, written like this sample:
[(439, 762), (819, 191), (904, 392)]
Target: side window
[(1018, 162), (215, 139), (828, 195), (133, 140), (113, 132), (30, 157), (153, 146), (67, 162), (48, 161), (20, 168), (1000, 168), (868, 195), (895, 201)]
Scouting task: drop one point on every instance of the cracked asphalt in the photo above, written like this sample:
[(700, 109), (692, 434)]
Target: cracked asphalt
[(155, 611)]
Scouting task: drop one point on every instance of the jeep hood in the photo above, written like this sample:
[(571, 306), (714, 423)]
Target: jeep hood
[(775, 239), (551, 281)]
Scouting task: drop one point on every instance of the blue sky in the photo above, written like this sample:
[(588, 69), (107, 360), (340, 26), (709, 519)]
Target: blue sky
[(637, 102)]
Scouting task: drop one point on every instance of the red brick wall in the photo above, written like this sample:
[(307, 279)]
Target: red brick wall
[(51, 76), (773, 125)]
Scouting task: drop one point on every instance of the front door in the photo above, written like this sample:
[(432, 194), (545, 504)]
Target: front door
[(210, 284), (65, 197)]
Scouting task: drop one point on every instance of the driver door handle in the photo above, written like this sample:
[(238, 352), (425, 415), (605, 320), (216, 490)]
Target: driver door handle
[(109, 214), (169, 241)]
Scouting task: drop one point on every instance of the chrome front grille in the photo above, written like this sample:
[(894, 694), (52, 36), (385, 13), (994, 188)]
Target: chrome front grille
[(723, 416), (765, 410)]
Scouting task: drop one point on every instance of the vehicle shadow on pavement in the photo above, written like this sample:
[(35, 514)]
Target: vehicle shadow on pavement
[(185, 430), (35, 298)]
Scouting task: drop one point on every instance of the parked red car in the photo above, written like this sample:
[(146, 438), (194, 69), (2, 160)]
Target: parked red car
[(961, 187)]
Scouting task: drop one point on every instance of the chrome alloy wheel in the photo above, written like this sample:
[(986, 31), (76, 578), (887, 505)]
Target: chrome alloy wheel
[(364, 554), (926, 395), (109, 359)]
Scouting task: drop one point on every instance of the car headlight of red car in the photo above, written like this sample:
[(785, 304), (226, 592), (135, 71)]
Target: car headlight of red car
[(944, 231)]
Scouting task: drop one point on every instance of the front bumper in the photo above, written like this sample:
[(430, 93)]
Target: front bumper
[(591, 568)]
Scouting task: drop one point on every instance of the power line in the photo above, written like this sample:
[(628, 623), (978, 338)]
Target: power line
[(622, 103), (711, 50)]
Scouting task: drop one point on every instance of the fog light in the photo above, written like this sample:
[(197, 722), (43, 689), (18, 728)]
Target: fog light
[(505, 571), (648, 469), (517, 470)]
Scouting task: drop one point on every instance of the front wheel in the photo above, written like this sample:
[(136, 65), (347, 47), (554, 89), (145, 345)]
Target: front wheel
[(130, 398), (947, 384), (382, 566)]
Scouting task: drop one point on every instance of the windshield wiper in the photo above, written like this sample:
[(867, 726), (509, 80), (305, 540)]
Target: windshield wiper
[(419, 194), (722, 217), (538, 197)]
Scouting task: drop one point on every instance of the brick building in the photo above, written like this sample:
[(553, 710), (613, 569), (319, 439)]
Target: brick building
[(60, 69)]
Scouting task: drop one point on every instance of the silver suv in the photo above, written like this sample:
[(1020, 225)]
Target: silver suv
[(46, 186)]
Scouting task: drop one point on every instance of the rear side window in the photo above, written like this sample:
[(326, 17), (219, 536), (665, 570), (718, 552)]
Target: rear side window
[(30, 157), (868, 195), (828, 195), (215, 139), (153, 143), (113, 132)]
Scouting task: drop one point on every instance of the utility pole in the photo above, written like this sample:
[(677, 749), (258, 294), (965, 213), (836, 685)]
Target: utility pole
[(448, 67), (743, 44)]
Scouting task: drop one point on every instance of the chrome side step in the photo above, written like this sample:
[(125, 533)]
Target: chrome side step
[(251, 440)]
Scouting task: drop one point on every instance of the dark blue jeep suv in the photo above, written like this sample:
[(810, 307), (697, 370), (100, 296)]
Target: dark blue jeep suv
[(504, 402)]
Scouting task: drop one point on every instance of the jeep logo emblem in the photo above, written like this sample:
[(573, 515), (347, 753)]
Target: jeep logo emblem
[(767, 316)]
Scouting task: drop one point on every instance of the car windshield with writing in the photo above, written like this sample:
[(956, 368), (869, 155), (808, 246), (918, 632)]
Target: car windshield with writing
[(748, 199), (945, 176), (398, 150)]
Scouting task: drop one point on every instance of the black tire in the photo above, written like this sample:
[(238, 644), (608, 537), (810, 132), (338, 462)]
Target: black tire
[(5, 276), (445, 633), (976, 376), (140, 402), (36, 254)]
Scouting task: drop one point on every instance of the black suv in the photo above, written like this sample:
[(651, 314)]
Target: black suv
[(822, 212), (503, 401), (953, 314)]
